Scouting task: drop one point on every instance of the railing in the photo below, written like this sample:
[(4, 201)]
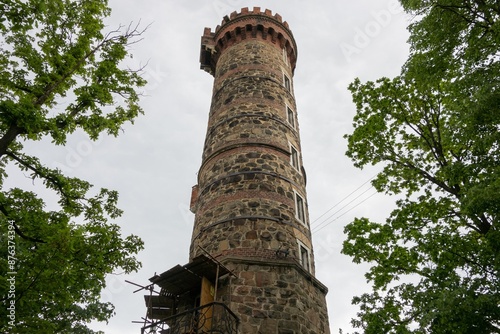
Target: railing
[(210, 318)]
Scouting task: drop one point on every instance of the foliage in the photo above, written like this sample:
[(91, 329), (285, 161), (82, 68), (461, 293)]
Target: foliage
[(60, 73), (436, 131)]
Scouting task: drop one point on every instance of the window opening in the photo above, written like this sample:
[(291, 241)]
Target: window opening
[(300, 213), (290, 116)]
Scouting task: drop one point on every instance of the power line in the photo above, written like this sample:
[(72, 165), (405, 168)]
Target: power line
[(342, 208), (345, 212), (346, 197)]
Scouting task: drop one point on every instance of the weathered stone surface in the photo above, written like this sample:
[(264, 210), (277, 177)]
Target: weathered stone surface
[(296, 306), (248, 183)]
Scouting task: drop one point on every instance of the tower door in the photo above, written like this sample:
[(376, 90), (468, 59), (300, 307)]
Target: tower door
[(206, 297)]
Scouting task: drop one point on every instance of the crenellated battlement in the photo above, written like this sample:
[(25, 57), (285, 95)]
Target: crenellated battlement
[(246, 24), (255, 11)]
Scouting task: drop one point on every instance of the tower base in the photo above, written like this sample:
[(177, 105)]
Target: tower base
[(274, 297)]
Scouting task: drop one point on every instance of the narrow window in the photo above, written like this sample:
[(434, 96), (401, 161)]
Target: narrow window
[(304, 256), (290, 117), (300, 209), (285, 56), (294, 157), (287, 83)]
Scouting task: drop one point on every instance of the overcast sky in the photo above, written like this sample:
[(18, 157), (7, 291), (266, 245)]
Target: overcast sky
[(153, 164)]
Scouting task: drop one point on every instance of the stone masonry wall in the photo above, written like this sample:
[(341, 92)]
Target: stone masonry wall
[(246, 170), (275, 299), (246, 200)]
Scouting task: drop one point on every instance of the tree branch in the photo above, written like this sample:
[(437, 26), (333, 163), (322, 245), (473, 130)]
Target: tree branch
[(9, 137), (14, 130), (4, 210), (422, 173), (24, 236), (45, 175)]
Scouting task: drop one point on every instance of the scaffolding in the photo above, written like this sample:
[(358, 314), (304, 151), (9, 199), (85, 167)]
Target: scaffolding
[(186, 302), (210, 318)]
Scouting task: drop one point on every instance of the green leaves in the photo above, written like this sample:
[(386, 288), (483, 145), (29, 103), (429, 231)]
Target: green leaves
[(435, 128), (57, 47), (70, 255), (59, 71), (80, 255)]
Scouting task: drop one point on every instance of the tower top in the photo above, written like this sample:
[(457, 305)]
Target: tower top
[(243, 25)]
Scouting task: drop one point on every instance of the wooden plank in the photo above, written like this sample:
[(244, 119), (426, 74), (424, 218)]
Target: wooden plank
[(206, 297), (159, 313), (159, 301)]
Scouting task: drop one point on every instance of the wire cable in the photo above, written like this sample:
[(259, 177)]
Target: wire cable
[(346, 197), (336, 218), (342, 208)]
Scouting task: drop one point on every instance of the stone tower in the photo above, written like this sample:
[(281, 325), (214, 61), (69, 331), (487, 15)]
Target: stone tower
[(250, 203)]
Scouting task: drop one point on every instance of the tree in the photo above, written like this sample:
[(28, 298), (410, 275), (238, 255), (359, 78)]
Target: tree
[(435, 129), (58, 73)]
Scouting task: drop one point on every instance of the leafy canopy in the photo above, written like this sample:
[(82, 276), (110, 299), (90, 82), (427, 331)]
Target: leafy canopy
[(435, 129), (58, 73)]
